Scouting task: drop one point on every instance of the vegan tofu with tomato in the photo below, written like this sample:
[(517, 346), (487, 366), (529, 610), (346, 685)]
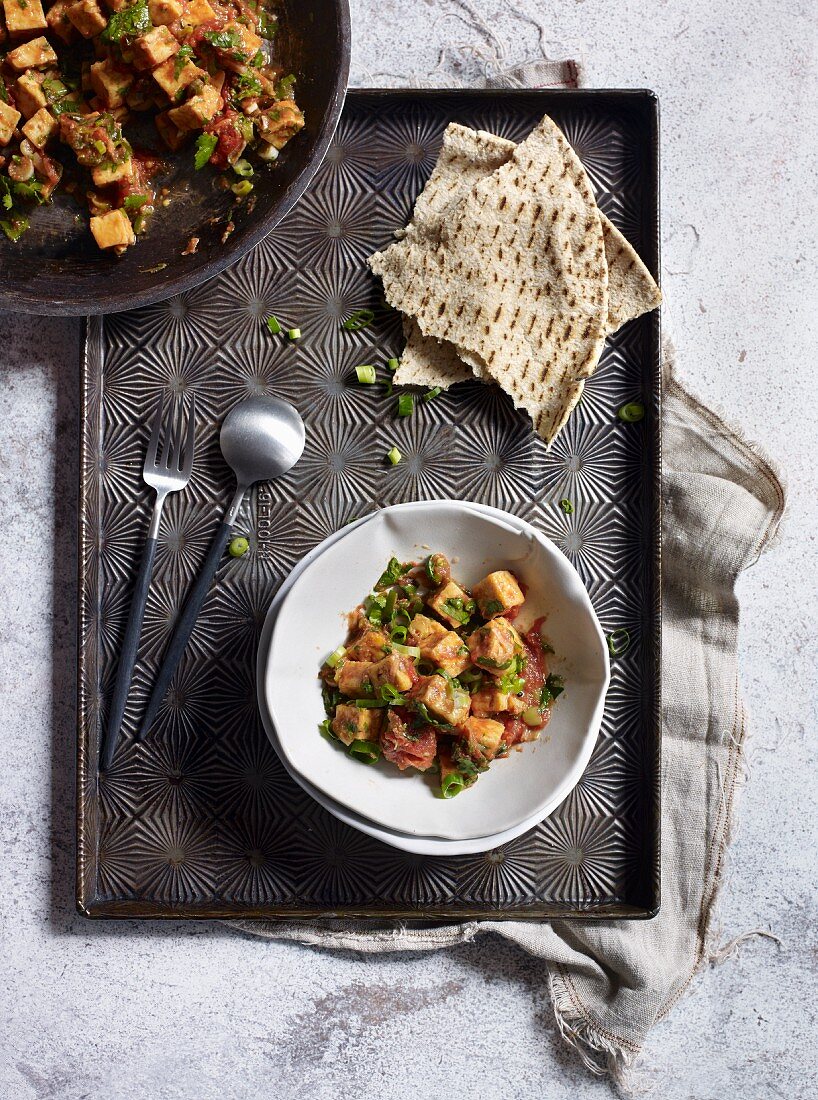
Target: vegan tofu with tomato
[(455, 684), (203, 69)]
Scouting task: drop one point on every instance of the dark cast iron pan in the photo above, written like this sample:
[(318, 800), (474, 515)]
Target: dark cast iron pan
[(56, 266)]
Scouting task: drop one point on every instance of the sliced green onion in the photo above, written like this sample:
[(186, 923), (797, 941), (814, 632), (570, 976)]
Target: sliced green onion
[(365, 373), (294, 333), (274, 325), (399, 634), (406, 404), (335, 657), (394, 456), (430, 395), (389, 606), (325, 729), (238, 547), (241, 189), (532, 716), (459, 696), (452, 784), (99, 146), (401, 617), (392, 364), (618, 642), (406, 650), (359, 319), (566, 506), (367, 752), (370, 704), (632, 412), (243, 167)]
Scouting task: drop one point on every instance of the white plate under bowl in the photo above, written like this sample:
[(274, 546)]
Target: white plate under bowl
[(311, 622), (416, 845)]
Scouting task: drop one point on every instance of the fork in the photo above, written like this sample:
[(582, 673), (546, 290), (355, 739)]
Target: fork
[(165, 474)]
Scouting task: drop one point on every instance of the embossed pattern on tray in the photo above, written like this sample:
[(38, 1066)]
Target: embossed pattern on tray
[(202, 819)]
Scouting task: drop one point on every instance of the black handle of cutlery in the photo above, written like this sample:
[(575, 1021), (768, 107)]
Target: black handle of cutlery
[(127, 659), (184, 627)]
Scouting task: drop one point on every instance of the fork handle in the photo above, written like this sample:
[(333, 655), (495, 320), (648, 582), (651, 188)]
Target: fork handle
[(184, 627), (127, 658)]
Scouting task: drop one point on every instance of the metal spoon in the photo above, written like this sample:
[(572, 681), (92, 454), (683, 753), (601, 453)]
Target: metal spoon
[(261, 438)]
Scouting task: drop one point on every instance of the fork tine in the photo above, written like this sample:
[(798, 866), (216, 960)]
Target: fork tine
[(174, 434), (187, 455), (153, 444)]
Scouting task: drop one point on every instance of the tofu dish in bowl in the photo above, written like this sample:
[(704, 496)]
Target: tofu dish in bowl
[(76, 77), (437, 678)]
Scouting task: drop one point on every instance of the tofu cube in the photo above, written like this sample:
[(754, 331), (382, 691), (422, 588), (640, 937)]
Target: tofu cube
[(487, 701), (59, 23), (280, 123), (88, 17), (425, 633), (370, 646), (36, 54), (153, 47), (198, 12), (110, 84), (392, 670), (484, 736), (24, 17), (450, 653), (172, 136), (113, 230), (497, 593), (108, 172), (198, 110), (492, 647), (28, 93), (41, 127), (353, 679), (356, 724), (8, 122), (248, 46), (165, 12), (172, 82), (442, 700), (452, 604)]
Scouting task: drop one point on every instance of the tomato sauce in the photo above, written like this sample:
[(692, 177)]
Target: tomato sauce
[(535, 674)]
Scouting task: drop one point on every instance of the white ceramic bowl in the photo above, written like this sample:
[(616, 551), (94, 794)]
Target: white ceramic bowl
[(416, 845), (515, 793)]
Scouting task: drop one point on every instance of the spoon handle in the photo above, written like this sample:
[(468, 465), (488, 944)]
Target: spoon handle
[(184, 627)]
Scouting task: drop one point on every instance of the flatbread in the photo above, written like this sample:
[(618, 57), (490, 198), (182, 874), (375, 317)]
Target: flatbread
[(468, 156), (514, 275)]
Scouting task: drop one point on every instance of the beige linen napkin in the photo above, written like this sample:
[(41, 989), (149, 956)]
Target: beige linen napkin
[(611, 981)]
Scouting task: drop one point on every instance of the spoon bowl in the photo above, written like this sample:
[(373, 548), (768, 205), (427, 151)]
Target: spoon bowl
[(261, 438)]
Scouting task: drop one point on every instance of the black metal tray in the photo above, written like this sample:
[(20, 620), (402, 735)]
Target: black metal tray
[(202, 820)]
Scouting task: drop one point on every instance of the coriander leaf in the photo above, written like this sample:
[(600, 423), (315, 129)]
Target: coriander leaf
[(128, 23), (205, 144), (223, 40)]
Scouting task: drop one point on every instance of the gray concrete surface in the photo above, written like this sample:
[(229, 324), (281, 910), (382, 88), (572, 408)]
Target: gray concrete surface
[(199, 1012)]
